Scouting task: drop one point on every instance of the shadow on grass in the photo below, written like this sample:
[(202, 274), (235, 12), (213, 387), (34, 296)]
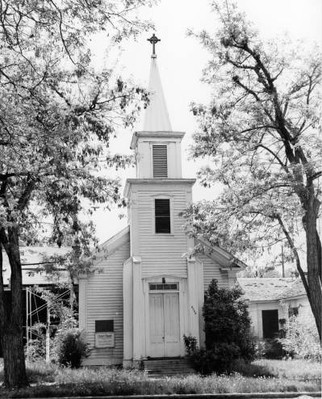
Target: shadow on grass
[(254, 370)]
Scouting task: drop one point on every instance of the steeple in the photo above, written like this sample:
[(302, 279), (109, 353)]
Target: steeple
[(156, 115), (157, 146)]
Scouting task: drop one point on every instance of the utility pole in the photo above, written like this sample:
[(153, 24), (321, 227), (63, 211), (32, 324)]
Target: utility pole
[(48, 334), (283, 268)]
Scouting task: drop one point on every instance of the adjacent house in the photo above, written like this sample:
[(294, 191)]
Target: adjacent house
[(148, 291), (33, 275), (271, 301)]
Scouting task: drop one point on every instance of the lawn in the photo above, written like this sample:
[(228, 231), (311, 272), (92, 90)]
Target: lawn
[(260, 376)]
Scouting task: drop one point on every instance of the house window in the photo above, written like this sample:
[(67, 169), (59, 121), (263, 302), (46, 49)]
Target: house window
[(160, 161), (163, 286), (162, 216), (104, 326), (270, 323)]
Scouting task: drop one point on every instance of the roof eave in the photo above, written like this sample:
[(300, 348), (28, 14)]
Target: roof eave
[(155, 135)]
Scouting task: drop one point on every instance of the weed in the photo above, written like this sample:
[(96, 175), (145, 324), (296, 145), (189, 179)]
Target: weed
[(260, 376)]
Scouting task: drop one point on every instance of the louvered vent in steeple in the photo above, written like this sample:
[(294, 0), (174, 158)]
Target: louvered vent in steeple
[(160, 162)]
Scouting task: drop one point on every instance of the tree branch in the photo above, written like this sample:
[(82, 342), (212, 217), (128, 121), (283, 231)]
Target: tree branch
[(274, 155), (294, 250)]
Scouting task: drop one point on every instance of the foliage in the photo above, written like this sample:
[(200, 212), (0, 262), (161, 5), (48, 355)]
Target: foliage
[(219, 359), (301, 340), (36, 348), (227, 328), (63, 318), (227, 320), (190, 344), (269, 349), (71, 348), (260, 132), (289, 376), (58, 113)]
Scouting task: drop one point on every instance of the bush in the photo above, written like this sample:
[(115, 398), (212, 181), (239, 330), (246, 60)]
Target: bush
[(227, 328), (227, 320), (190, 344), (301, 340), (271, 349), (36, 348), (220, 359), (71, 348)]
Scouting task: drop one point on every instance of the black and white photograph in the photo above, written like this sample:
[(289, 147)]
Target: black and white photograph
[(160, 198)]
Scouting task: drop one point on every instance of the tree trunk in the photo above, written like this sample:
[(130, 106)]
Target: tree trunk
[(313, 248), (13, 356), (11, 316)]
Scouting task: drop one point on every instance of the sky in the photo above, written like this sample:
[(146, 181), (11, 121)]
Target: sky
[(181, 60)]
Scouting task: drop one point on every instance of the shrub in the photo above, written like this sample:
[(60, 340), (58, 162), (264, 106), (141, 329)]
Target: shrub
[(190, 344), (301, 340), (270, 349), (227, 328), (71, 348), (36, 348), (220, 359), (227, 320)]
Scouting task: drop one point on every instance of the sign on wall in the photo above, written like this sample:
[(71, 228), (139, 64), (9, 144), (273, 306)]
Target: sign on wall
[(104, 340)]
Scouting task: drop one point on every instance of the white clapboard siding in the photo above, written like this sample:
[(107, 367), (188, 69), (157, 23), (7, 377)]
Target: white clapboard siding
[(162, 253), (211, 270), (105, 302)]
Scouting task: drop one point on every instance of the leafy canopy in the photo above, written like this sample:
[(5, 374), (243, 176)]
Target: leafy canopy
[(261, 134), (58, 112)]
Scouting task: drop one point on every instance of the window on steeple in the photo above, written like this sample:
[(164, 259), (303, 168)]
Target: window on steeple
[(162, 216), (160, 160)]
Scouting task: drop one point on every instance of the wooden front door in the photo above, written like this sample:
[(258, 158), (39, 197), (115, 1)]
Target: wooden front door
[(164, 325)]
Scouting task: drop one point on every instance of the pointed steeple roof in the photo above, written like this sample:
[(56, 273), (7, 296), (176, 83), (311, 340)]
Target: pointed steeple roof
[(156, 115)]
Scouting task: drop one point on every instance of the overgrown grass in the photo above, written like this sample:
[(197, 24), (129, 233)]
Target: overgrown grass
[(292, 369), (261, 376)]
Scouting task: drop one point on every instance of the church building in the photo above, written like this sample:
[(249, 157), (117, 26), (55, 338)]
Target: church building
[(147, 292)]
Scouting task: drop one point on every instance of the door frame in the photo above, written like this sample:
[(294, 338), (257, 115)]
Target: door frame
[(182, 289)]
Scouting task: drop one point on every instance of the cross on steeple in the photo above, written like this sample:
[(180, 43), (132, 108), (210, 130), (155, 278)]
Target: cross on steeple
[(153, 40)]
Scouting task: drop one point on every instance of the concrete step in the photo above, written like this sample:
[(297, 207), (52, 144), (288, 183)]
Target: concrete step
[(167, 367)]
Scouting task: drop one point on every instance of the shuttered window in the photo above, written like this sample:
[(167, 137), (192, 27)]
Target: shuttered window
[(160, 161), (162, 216)]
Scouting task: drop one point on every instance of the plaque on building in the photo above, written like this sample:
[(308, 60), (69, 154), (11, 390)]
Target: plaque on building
[(104, 340)]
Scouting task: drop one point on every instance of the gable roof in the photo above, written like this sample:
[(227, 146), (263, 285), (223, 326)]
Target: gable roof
[(112, 244), (220, 255), (31, 260), (294, 290), (271, 289)]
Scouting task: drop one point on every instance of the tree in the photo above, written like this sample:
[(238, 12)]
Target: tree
[(227, 328), (226, 319), (57, 114), (261, 130)]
